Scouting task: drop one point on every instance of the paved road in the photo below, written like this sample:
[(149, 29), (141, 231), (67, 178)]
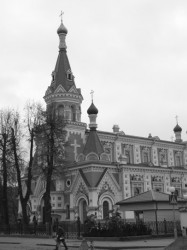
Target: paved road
[(12, 243)]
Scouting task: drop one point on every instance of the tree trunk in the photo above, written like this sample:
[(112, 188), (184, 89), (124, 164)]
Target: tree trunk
[(25, 216), (47, 197), (23, 202), (5, 195)]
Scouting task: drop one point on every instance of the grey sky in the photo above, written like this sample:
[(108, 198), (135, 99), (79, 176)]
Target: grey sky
[(132, 53)]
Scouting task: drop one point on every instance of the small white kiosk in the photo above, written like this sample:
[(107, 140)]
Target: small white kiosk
[(183, 217)]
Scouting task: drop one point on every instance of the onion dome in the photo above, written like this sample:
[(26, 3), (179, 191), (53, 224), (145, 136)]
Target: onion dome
[(92, 110), (62, 29), (177, 128)]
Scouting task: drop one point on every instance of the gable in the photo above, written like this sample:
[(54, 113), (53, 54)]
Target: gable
[(93, 177), (116, 177), (73, 90), (59, 89)]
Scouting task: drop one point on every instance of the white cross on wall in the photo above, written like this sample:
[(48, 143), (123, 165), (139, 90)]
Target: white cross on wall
[(75, 145)]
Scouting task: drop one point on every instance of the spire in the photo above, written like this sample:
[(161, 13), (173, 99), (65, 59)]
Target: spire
[(62, 75), (62, 93)]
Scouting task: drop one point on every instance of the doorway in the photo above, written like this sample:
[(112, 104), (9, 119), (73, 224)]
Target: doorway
[(82, 210)]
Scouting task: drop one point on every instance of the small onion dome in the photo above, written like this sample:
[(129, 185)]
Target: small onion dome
[(92, 110), (177, 128), (62, 29)]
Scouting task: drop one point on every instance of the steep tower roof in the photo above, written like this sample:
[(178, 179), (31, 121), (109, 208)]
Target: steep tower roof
[(93, 144), (62, 94), (62, 75)]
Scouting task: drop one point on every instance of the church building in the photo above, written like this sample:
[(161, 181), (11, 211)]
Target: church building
[(103, 167)]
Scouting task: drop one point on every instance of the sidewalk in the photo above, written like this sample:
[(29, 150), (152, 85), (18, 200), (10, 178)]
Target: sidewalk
[(49, 243), (138, 244), (179, 244)]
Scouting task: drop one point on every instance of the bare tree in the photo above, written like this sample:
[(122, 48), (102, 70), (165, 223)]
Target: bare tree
[(8, 172), (50, 153), (31, 121)]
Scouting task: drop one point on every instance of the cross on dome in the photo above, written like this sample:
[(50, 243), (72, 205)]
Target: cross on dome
[(62, 13), (176, 117), (92, 92)]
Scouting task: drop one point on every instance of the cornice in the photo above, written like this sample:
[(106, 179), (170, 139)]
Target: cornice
[(62, 96), (140, 141), (153, 170), (71, 124), (92, 166)]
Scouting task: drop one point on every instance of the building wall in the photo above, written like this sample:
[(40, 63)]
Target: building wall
[(161, 215)]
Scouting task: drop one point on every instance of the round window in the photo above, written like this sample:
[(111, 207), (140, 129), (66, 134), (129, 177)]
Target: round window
[(68, 183)]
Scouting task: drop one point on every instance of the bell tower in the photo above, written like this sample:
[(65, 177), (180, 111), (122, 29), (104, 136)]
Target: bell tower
[(62, 95)]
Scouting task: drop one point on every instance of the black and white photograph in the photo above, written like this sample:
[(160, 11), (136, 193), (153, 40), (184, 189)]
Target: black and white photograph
[(93, 124)]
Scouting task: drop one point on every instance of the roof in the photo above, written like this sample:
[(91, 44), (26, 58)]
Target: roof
[(148, 196), (93, 144), (177, 128), (92, 179), (92, 110), (61, 70), (62, 29)]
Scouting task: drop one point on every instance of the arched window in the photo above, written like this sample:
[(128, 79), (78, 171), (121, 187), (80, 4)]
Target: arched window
[(61, 111), (84, 205), (73, 113), (67, 212), (105, 209), (82, 210)]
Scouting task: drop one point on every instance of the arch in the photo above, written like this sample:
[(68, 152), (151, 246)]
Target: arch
[(81, 196), (105, 207), (92, 157), (80, 157), (82, 208), (104, 157)]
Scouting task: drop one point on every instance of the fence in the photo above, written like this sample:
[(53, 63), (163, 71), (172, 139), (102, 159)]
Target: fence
[(74, 229), (163, 227)]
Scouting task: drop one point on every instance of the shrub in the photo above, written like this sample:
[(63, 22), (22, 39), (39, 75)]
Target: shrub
[(114, 226)]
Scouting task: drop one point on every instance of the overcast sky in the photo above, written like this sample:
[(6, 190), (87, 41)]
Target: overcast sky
[(132, 53)]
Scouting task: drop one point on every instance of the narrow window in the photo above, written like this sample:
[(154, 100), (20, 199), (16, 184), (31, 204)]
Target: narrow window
[(145, 157), (127, 154), (178, 161), (69, 75), (105, 209), (67, 212)]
